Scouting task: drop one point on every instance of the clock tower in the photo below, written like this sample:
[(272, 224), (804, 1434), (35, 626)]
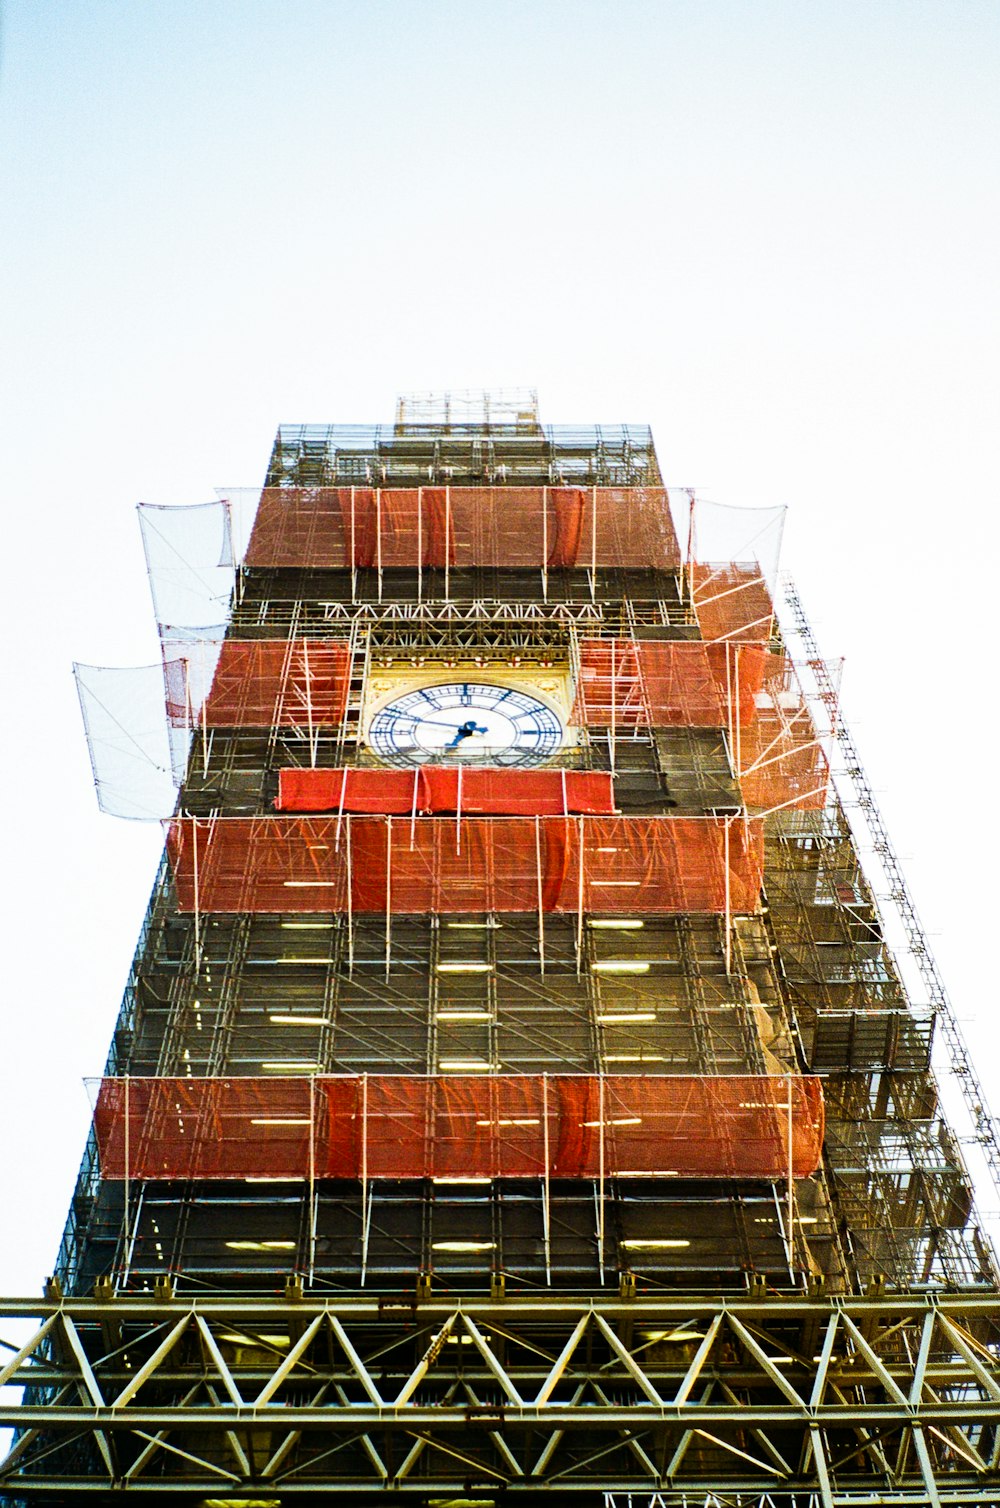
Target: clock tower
[(514, 1097)]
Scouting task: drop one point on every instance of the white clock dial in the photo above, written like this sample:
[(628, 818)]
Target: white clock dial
[(465, 723)]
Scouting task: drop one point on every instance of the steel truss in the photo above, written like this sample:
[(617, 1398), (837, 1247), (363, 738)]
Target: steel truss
[(811, 1399), (471, 623)]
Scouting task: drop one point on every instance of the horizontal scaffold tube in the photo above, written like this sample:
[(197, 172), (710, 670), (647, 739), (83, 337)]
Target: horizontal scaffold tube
[(498, 1126), (374, 864)]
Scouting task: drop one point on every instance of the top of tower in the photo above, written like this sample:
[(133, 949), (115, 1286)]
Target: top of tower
[(469, 408)]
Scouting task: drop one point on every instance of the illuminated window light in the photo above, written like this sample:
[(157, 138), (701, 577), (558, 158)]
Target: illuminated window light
[(459, 1178), (310, 884), (651, 1245), (619, 966), (307, 926), (459, 1340), (293, 1065), (626, 1018), (464, 1065), (474, 926), (633, 883), (464, 968), (764, 1105), (300, 1020), (527, 1121), (261, 1245), (606, 850), (602, 924), (462, 1246), (807, 1219), (634, 1057), (463, 1016), (281, 1120), (624, 1120), (235, 1338)]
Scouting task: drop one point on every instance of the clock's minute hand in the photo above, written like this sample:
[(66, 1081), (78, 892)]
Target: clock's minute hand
[(436, 722)]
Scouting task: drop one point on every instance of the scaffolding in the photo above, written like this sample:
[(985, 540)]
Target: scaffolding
[(600, 1078)]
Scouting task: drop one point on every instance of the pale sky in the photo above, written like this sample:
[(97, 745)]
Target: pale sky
[(768, 229)]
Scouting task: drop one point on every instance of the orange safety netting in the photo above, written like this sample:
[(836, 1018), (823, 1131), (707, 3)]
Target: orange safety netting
[(439, 864), (471, 791), (552, 527), (500, 1126), (731, 601), (261, 683), (671, 683), (780, 757)]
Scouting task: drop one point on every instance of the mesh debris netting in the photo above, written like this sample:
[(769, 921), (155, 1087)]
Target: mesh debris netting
[(191, 562), (428, 789), (509, 1126), (781, 755), (439, 864), (672, 683), (136, 757), (732, 602), (259, 683), (536, 527), (732, 565)]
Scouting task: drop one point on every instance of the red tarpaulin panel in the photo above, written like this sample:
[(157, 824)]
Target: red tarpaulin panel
[(263, 683), (499, 1126), (472, 791), (397, 526), (475, 864), (554, 527), (630, 683)]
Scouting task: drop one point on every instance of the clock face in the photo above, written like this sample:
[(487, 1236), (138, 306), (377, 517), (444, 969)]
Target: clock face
[(465, 723)]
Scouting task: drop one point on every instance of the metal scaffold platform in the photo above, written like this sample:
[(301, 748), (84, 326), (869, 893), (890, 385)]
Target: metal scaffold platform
[(844, 1403)]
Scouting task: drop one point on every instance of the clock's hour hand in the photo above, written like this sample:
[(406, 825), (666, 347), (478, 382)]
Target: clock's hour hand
[(467, 730)]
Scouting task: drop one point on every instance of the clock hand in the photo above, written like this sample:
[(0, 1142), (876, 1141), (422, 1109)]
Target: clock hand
[(468, 727), (467, 730)]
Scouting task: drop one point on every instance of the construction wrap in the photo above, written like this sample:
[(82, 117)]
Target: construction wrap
[(539, 527), (496, 1126), (674, 683), (780, 757), (258, 683), (731, 601), (469, 864), (488, 792)]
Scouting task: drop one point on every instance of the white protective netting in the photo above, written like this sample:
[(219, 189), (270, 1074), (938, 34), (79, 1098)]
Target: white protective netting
[(137, 758), (191, 561), (731, 561)]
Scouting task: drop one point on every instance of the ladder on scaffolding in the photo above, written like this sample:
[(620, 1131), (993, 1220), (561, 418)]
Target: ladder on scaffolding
[(986, 1129)]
